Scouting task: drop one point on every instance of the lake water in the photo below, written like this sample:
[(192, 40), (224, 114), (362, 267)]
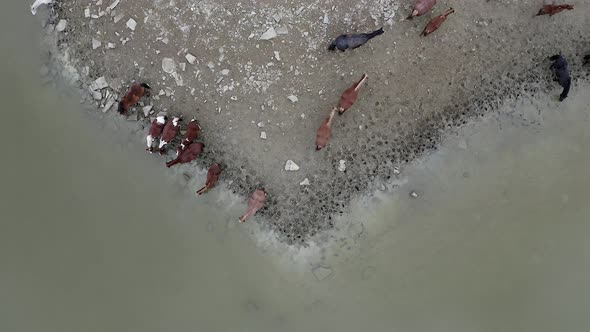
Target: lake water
[(97, 235)]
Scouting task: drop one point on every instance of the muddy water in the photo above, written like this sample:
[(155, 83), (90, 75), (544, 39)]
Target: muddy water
[(97, 236)]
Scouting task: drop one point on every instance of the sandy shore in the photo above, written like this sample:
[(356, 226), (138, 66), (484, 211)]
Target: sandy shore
[(238, 86)]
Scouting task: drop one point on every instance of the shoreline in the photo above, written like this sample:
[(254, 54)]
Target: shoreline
[(298, 213)]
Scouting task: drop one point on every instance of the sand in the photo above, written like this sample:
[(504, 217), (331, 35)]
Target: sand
[(419, 89)]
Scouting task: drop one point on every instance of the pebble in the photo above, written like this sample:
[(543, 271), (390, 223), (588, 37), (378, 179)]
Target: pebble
[(277, 56), (190, 58), (269, 34), (263, 135), (277, 17), (61, 25), (168, 65), (291, 166), (342, 165), (131, 24), (293, 98), (101, 83), (305, 182), (260, 124), (225, 72), (326, 19), (95, 43), (414, 194), (108, 105), (321, 272), (282, 31), (119, 17), (110, 45), (146, 110)]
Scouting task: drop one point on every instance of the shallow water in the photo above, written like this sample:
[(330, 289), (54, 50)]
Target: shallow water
[(98, 236)]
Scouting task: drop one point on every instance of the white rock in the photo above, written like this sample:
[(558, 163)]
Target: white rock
[(291, 166), (263, 135), (269, 34), (396, 170), (96, 95), (326, 19), (95, 43), (305, 182), (110, 45), (87, 12), (61, 25), (414, 194), (168, 65), (277, 17), (178, 79), (260, 124), (322, 272), (190, 58), (282, 31), (293, 98), (38, 3), (182, 66), (108, 105), (225, 72), (342, 165), (146, 110), (101, 83), (277, 56), (118, 17), (131, 24), (114, 4)]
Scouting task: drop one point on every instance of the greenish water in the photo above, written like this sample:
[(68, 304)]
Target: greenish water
[(97, 236)]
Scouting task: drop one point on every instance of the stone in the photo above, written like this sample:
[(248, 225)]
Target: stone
[(326, 19), (293, 98), (61, 25), (182, 66), (282, 31), (101, 83), (291, 166), (342, 165), (396, 170), (322, 272), (87, 12), (118, 17), (146, 110), (305, 182), (108, 105), (277, 56), (263, 135), (110, 45), (131, 24), (95, 43), (277, 17), (96, 95), (168, 65), (190, 58), (260, 124), (38, 3), (414, 194), (269, 34), (113, 5), (224, 72)]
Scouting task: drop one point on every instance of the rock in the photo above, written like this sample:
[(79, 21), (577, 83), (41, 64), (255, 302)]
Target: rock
[(108, 105), (260, 124), (305, 182), (293, 98), (190, 58), (168, 65), (38, 3), (396, 170), (263, 135), (61, 25), (110, 45), (178, 79), (131, 24), (113, 5), (101, 83), (414, 194), (326, 19), (182, 66), (146, 110), (87, 12), (224, 72), (322, 272), (162, 114), (282, 31), (291, 166), (277, 56), (96, 95), (269, 34), (118, 17), (342, 165), (95, 44), (277, 17)]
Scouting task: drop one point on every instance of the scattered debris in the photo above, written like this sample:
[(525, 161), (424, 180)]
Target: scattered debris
[(131, 24), (322, 272), (269, 34), (146, 110), (342, 165), (291, 166), (95, 43), (305, 182), (168, 65), (293, 98), (263, 135), (61, 25), (38, 3), (190, 58)]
